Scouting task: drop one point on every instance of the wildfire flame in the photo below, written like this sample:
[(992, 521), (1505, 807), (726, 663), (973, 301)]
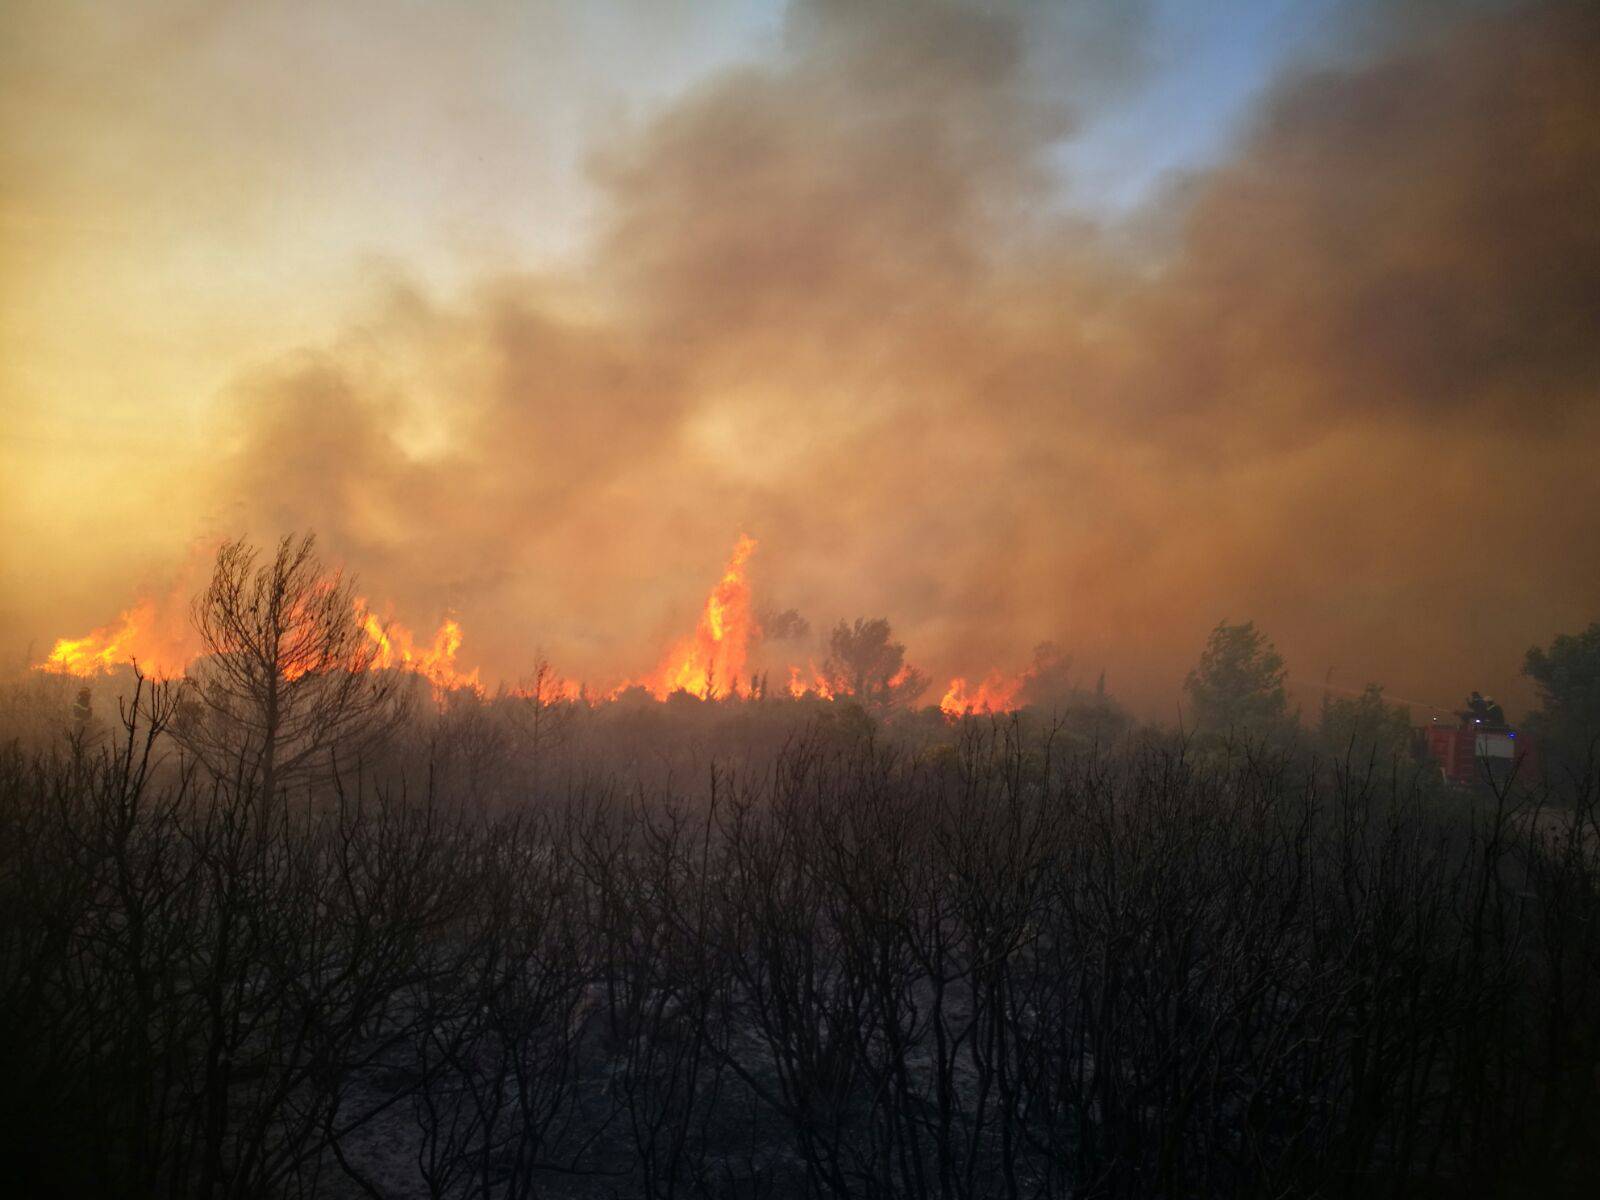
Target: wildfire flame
[(995, 693), (134, 637), (546, 687), (809, 682), (713, 658), (140, 636), (395, 648)]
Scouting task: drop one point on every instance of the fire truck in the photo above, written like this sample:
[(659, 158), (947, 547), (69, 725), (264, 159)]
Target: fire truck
[(1480, 746)]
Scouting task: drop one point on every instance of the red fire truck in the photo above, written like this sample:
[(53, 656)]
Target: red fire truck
[(1477, 749)]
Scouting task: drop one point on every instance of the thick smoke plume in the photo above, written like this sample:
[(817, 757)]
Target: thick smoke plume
[(1343, 383)]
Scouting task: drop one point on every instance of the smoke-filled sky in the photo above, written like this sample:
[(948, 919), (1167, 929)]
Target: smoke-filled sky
[(1093, 323)]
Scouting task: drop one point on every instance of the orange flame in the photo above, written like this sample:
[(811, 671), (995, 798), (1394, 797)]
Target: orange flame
[(547, 687), (816, 685), (142, 635), (994, 693), (713, 659), (395, 648), (134, 637)]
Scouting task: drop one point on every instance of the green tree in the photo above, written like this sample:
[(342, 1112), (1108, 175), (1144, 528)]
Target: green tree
[(1237, 687), (1567, 722)]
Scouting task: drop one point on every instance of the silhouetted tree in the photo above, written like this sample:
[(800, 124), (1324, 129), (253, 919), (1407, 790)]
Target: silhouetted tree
[(286, 673), (785, 626), (864, 662), (1365, 728), (1238, 684), (1568, 677)]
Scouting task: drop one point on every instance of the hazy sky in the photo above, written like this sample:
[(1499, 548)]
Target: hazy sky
[(1088, 322)]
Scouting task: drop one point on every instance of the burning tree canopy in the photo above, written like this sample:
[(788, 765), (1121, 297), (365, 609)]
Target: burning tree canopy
[(286, 672), (867, 665)]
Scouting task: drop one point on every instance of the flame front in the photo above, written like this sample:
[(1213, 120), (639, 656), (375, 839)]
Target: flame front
[(713, 659), (810, 682), (141, 635), (547, 687), (994, 693), (395, 648), (134, 637)]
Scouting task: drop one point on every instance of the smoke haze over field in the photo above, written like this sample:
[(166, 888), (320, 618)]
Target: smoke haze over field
[(825, 287)]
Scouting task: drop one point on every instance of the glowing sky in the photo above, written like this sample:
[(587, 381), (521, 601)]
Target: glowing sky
[(1093, 323)]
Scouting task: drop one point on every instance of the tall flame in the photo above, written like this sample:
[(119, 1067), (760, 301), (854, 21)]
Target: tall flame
[(713, 659)]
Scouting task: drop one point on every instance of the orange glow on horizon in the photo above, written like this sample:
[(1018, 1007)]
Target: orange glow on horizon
[(137, 638), (712, 662)]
